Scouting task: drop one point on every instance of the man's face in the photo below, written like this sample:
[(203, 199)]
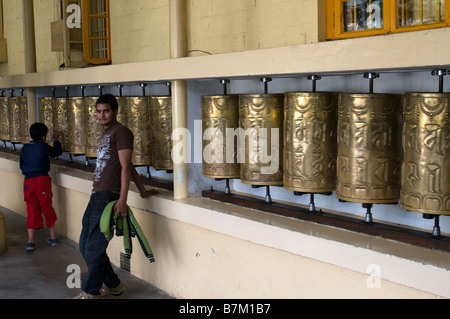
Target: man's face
[(105, 115)]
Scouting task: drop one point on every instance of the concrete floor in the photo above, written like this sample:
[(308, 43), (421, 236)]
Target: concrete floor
[(42, 274)]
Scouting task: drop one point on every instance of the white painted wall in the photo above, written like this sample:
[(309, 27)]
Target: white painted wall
[(206, 249)]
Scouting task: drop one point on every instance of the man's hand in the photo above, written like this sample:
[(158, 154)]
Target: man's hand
[(121, 208), (146, 193)]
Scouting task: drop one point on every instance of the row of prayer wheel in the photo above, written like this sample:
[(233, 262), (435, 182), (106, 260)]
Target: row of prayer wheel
[(369, 148), (149, 118)]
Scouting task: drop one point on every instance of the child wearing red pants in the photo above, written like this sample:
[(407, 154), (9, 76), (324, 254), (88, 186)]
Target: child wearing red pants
[(37, 187)]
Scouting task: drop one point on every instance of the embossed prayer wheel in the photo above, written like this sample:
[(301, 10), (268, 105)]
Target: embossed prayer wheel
[(138, 112), (14, 120), (24, 126), (76, 121), (4, 116), (93, 130), (261, 119), (310, 137), (122, 115), (18, 120), (369, 148), (219, 113), (60, 121), (161, 132), (426, 153), (46, 106)]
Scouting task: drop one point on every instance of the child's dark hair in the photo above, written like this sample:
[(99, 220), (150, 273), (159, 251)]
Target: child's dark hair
[(108, 99), (38, 131)]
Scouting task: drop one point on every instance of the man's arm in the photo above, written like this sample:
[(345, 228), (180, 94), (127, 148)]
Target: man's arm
[(140, 185), (121, 207)]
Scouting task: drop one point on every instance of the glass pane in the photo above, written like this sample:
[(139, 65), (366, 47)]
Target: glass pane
[(417, 12), (99, 49), (97, 6), (97, 27), (362, 15)]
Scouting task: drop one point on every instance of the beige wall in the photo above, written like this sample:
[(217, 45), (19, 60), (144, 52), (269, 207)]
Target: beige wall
[(140, 32), (45, 13), (208, 250), (13, 33), (236, 25)]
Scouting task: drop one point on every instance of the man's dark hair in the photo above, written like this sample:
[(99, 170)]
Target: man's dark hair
[(38, 131), (108, 99)]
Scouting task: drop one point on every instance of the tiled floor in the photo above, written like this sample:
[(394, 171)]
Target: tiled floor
[(42, 274)]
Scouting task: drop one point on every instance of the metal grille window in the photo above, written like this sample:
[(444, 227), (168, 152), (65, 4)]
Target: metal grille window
[(355, 18), (96, 31)]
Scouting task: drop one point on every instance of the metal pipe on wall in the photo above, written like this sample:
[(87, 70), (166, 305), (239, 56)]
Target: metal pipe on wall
[(30, 55), (178, 49), (179, 121)]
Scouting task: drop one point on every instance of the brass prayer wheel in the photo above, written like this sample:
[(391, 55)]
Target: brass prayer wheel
[(369, 148), (425, 177), (76, 121), (4, 116), (161, 132), (46, 106), (138, 112), (310, 137), (24, 127), (122, 114), (219, 113), (14, 120), (260, 116), (18, 120), (93, 130), (60, 122)]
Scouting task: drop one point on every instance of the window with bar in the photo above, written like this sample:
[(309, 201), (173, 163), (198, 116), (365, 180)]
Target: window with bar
[(362, 15), (96, 31), (356, 18), (423, 12)]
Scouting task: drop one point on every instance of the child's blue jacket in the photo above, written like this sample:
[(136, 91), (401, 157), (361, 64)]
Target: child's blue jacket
[(34, 158)]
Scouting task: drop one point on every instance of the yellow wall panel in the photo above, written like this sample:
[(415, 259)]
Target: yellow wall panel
[(139, 31), (45, 13), (249, 25), (13, 33)]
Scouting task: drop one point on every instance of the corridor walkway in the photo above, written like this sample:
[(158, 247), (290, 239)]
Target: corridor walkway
[(42, 274)]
